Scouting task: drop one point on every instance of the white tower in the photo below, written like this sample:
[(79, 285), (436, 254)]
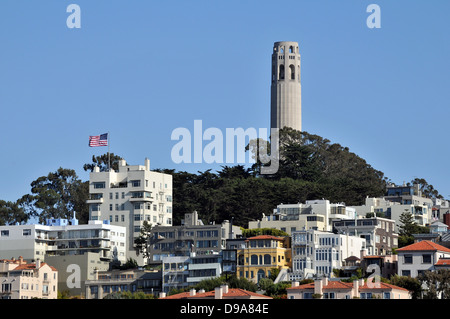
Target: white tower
[(286, 107)]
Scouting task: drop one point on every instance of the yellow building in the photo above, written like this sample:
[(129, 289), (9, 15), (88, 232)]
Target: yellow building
[(261, 254)]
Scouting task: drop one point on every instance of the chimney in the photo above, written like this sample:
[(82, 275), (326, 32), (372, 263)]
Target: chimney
[(21, 262), (224, 289), (318, 286), (38, 263), (218, 293), (201, 291), (147, 164), (192, 292), (162, 295), (325, 281), (355, 290), (363, 253), (295, 284)]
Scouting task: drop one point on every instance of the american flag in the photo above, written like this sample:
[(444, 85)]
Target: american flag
[(98, 140)]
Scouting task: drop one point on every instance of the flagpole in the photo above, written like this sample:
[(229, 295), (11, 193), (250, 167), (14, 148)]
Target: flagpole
[(109, 157)]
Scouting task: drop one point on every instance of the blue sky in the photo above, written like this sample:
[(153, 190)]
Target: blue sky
[(140, 69)]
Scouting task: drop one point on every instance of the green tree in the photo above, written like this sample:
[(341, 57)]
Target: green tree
[(427, 190), (263, 231), (142, 242), (437, 284), (102, 162), (11, 213), (412, 284), (57, 195), (278, 290), (408, 226), (265, 283)]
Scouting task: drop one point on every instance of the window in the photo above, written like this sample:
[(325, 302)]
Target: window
[(281, 74), (406, 273), (407, 259), (26, 232), (292, 69), (135, 183), (426, 259), (99, 185)]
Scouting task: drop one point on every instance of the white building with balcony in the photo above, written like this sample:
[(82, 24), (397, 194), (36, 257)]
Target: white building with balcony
[(313, 214), (317, 253), (61, 237), (420, 209), (129, 197)]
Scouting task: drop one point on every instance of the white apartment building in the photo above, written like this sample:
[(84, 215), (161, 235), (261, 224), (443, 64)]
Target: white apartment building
[(420, 208), (61, 237), (313, 214), (20, 280), (317, 253), (129, 197), (175, 273)]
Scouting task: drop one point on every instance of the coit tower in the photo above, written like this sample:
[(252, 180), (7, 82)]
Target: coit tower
[(285, 100)]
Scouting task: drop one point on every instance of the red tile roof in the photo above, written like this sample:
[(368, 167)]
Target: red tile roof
[(443, 262), (383, 286), (181, 295), (31, 266), (333, 284), (232, 293), (424, 245)]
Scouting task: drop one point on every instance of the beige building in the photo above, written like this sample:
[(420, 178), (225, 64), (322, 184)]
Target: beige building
[(75, 270), (286, 107), (330, 289), (21, 280)]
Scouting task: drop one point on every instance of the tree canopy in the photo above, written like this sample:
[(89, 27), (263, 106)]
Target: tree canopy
[(57, 195)]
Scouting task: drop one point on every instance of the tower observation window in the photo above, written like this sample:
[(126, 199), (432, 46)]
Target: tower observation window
[(281, 75)]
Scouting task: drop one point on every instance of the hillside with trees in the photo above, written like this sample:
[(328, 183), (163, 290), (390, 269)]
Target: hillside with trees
[(310, 167)]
